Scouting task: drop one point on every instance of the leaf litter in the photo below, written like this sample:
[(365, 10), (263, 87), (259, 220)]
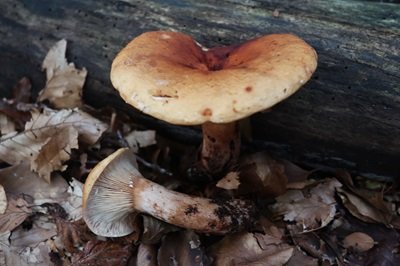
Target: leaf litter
[(48, 147)]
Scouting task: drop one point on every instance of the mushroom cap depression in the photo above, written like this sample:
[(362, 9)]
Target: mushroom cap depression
[(170, 76), (108, 207)]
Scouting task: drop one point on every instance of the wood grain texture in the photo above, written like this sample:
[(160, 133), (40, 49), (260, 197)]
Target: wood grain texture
[(348, 115)]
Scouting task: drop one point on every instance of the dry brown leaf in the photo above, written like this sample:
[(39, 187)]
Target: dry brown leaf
[(22, 91), (312, 208), (181, 248), (3, 200), (72, 235), (54, 152), (48, 139), (261, 174), (299, 258), (146, 255), (64, 82), (73, 204), (294, 172), (154, 229), (103, 253), (6, 125), (43, 228), (230, 181), (251, 249), (140, 139), (30, 246), (361, 209), (19, 179), (358, 241), (4, 244), (17, 211)]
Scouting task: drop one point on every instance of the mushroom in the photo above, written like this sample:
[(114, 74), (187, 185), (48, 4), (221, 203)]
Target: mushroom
[(115, 192), (173, 78)]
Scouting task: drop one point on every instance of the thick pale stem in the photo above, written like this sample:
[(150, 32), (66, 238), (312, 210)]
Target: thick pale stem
[(221, 146), (200, 214)]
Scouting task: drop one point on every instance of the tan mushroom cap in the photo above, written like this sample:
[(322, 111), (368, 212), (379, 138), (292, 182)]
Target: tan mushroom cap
[(171, 77)]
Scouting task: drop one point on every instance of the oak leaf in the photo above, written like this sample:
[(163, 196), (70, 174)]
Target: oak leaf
[(64, 82), (48, 139)]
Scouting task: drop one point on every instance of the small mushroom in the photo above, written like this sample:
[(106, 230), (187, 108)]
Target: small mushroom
[(171, 77), (115, 192)]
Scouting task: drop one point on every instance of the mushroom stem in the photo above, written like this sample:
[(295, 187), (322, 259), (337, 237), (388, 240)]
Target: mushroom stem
[(115, 191), (200, 214), (221, 146)]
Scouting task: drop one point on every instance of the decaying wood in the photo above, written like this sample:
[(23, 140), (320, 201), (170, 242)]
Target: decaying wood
[(348, 115)]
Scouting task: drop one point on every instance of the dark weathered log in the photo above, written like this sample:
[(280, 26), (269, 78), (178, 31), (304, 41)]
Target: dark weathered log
[(348, 115)]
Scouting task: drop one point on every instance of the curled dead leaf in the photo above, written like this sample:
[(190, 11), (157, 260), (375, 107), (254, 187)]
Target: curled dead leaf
[(17, 211), (140, 139), (48, 139), (154, 230), (261, 174), (3, 200), (251, 249), (312, 208), (22, 91), (146, 255), (181, 248), (230, 181), (64, 82), (6, 125), (358, 241), (361, 209), (103, 253), (72, 235), (301, 258)]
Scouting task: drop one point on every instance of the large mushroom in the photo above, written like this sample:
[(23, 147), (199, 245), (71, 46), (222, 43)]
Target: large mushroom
[(170, 76), (115, 192)]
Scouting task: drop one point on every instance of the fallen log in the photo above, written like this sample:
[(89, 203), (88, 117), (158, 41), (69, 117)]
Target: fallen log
[(347, 116)]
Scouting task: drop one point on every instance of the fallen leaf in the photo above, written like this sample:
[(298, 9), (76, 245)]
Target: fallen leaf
[(140, 139), (365, 204), (3, 200), (17, 211), (4, 244), (64, 82), (37, 256), (73, 203), (103, 253), (230, 181), (20, 180), (301, 258), (6, 125), (358, 241), (30, 246), (154, 230), (72, 235), (251, 249), (22, 91), (48, 139), (315, 246), (361, 209), (15, 117), (54, 151), (181, 248), (312, 208), (261, 174), (146, 255), (43, 228)]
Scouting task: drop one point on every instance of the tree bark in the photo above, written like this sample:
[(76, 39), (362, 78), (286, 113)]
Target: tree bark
[(347, 116)]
